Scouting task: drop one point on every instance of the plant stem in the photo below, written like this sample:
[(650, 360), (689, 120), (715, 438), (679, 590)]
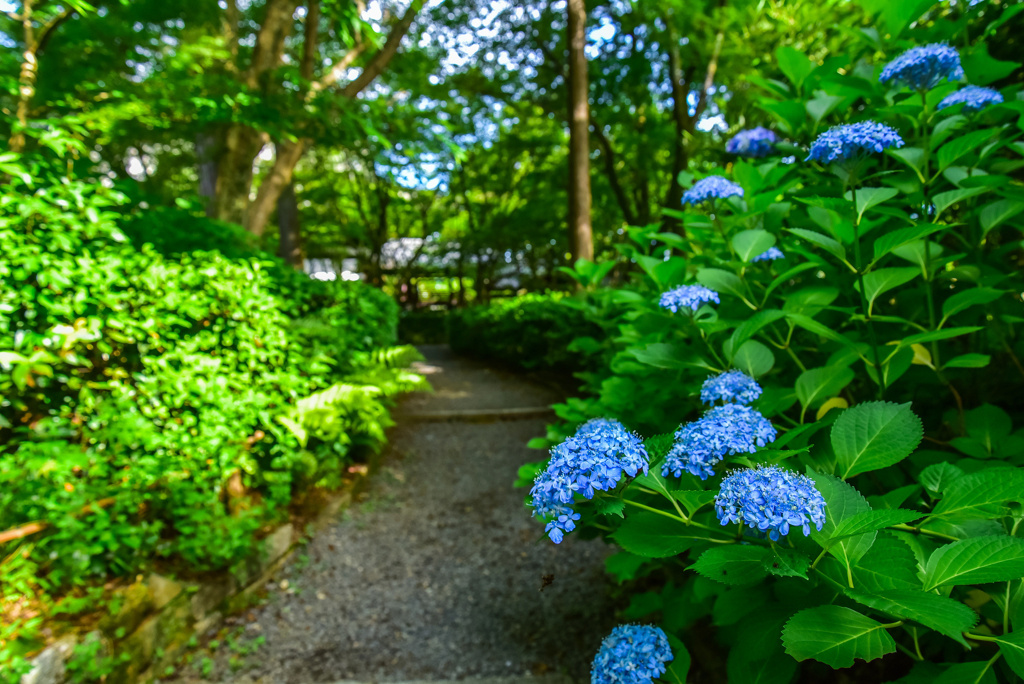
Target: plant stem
[(879, 373), (685, 521), (925, 205), (921, 530)]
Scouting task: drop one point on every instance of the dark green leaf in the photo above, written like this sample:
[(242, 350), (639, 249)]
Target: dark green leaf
[(975, 561), (942, 614), (874, 435), (733, 564), (836, 636)]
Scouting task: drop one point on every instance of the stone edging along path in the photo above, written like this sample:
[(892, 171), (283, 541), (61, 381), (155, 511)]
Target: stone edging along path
[(159, 615)]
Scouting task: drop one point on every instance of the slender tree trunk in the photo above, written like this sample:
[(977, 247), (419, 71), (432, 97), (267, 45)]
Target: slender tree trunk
[(681, 119), (206, 166), (580, 232), (26, 79), (290, 246)]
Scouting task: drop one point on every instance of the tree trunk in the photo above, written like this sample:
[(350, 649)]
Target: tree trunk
[(235, 172), (290, 247), (206, 166), (681, 119), (580, 232)]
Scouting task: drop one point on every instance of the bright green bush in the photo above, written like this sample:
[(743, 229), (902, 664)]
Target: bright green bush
[(533, 332), (150, 396)]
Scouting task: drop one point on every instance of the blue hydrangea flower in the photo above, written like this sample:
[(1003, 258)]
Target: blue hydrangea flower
[(771, 500), (712, 187), (631, 654), (592, 460), (770, 254), (722, 431), (687, 297), (851, 142), (754, 142), (731, 387), (973, 98), (924, 67)]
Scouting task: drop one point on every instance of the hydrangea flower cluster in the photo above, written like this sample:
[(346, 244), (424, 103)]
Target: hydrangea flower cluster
[(712, 187), (687, 297), (754, 142), (631, 654), (973, 98), (731, 387), (924, 67), (592, 460), (770, 254), (772, 500), (851, 142), (722, 431)]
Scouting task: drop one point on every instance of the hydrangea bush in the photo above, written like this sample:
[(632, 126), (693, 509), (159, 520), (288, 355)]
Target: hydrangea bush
[(825, 364)]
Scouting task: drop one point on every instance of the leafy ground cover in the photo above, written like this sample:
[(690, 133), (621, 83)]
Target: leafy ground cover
[(821, 369)]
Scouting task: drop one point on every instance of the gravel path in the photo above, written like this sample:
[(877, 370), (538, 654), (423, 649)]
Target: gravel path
[(438, 573)]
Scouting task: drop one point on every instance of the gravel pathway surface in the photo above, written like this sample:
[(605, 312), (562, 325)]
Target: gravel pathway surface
[(438, 573)]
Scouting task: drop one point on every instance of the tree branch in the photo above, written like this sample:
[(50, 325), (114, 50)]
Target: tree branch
[(337, 70), (380, 60), (266, 55), (309, 45), (608, 155)]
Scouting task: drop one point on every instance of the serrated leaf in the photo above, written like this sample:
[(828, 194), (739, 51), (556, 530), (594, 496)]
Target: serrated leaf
[(938, 476), (733, 564), (751, 243), (784, 562), (817, 384), (658, 446), (867, 521), (842, 501), (836, 636), (609, 506), (874, 435), (942, 614), (981, 494), (693, 500), (885, 279), (654, 536), (889, 564), (1012, 647), (977, 672), (975, 561)]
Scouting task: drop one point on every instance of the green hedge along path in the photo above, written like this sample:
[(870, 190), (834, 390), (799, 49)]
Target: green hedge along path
[(439, 573)]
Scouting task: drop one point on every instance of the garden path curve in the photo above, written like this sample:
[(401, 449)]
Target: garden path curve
[(438, 573)]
